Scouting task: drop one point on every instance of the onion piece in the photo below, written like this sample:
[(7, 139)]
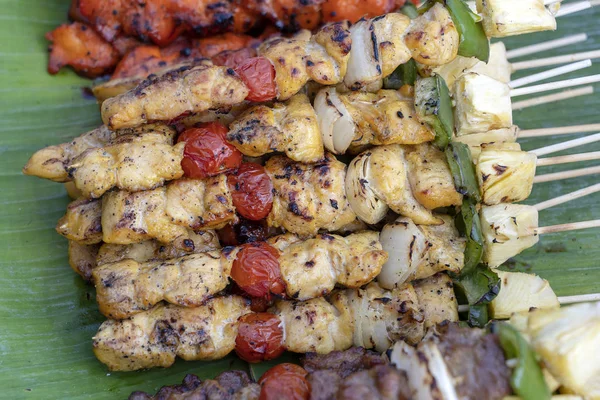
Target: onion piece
[(337, 127), (363, 64), (361, 196)]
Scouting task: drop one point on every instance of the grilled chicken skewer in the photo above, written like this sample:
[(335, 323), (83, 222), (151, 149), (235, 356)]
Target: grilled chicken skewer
[(301, 269), (370, 317)]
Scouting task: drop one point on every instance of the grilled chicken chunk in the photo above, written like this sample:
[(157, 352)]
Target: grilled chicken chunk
[(311, 268), (52, 162), (308, 197), (433, 38), (430, 177), (82, 222), (289, 127), (190, 243), (322, 57), (163, 98), (436, 299), (127, 287), (154, 338), (378, 180), (82, 258), (165, 213), (130, 162)]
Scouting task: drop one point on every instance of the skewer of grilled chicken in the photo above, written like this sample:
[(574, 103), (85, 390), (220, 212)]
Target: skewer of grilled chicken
[(156, 337), (290, 128), (380, 45), (82, 221), (84, 258), (309, 268)]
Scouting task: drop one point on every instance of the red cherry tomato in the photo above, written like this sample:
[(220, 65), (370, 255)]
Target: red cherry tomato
[(233, 58), (252, 191), (206, 152), (245, 231), (259, 338), (258, 75), (284, 382), (256, 270)]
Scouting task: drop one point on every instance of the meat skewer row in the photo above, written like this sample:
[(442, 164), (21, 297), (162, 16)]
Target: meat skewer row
[(283, 266), (370, 317)]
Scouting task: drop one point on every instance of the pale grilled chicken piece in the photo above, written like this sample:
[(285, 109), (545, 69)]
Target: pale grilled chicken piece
[(436, 298), (82, 258), (433, 38), (384, 117), (430, 177), (190, 243), (52, 162), (82, 221), (420, 251), (130, 162), (318, 325), (378, 47), (311, 268), (383, 317), (165, 97), (308, 197), (377, 180), (165, 213), (322, 57), (127, 287), (289, 128), (154, 338)]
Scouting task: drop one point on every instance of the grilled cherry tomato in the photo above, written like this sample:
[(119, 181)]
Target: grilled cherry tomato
[(259, 338), (233, 58), (284, 382), (252, 191), (258, 75), (256, 270), (206, 152), (245, 231)]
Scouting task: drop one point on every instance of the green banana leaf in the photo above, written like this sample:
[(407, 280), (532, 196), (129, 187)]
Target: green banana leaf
[(48, 315)]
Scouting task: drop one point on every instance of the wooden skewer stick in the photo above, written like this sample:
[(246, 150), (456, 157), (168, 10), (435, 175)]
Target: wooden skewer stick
[(561, 200), (592, 155), (580, 298), (549, 45), (566, 145), (551, 73), (544, 62), (551, 98), (573, 8), (563, 130), (544, 87), (573, 226), (574, 173)]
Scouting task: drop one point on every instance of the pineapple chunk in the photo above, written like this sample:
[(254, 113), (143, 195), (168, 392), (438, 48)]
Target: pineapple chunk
[(503, 18), (507, 230), (505, 176), (568, 340), (498, 66), (482, 104), (455, 69), (504, 135), (521, 292)]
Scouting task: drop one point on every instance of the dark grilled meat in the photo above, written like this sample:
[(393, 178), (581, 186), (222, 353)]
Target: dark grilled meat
[(229, 385), (343, 363)]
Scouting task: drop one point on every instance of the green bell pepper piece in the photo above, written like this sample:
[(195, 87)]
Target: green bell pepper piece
[(472, 230), (404, 74), (527, 379), (479, 287), (410, 10), (463, 172), (478, 316), (434, 106)]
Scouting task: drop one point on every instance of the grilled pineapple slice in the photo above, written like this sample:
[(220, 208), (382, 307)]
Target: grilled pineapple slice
[(507, 230), (503, 18), (505, 176), (568, 340), (505, 138), (482, 104), (521, 292)]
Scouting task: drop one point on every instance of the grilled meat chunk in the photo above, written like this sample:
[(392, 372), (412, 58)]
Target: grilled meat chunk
[(229, 385), (129, 162), (52, 162), (289, 127), (436, 298), (190, 243), (307, 198), (82, 258), (184, 90), (311, 268), (343, 363), (165, 213), (154, 338), (82, 222), (444, 250)]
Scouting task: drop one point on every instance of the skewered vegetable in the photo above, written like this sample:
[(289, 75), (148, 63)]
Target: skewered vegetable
[(434, 106), (503, 18), (521, 292), (479, 287)]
